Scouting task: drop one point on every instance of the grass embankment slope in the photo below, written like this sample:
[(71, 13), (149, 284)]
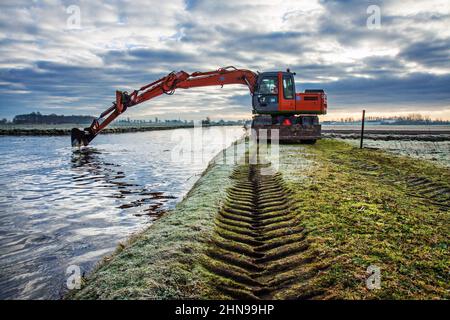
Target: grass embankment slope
[(342, 209)]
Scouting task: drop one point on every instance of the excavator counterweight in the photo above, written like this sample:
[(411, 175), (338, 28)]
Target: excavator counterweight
[(276, 105)]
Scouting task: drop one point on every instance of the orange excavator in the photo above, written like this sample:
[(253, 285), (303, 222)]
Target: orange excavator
[(276, 105)]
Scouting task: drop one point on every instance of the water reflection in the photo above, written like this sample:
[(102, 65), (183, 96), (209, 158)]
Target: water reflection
[(85, 157), (88, 166), (62, 207)]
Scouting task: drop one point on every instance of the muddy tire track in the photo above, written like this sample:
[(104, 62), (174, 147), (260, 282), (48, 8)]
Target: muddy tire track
[(259, 248), (434, 192)]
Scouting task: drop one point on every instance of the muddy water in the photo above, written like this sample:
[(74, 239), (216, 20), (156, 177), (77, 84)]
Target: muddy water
[(61, 207)]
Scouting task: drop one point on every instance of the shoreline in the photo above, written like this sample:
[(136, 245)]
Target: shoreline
[(110, 130), (203, 248), (371, 134)]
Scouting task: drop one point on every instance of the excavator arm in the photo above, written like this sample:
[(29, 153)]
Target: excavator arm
[(165, 85)]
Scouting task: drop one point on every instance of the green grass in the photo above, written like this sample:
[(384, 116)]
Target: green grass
[(358, 217), (356, 208)]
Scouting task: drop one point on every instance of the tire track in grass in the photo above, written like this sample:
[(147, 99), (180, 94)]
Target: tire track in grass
[(258, 248), (433, 192)]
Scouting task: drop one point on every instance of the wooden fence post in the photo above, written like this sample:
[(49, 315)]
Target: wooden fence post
[(362, 129)]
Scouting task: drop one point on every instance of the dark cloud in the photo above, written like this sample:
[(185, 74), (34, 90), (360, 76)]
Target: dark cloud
[(431, 53), (392, 92)]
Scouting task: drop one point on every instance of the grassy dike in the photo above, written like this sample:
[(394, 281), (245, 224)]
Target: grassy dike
[(310, 231)]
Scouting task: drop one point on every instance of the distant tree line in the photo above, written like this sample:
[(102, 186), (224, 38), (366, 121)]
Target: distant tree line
[(38, 118), (414, 118), (206, 121)]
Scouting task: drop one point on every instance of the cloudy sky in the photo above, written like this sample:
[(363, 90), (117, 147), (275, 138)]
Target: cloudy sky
[(52, 62)]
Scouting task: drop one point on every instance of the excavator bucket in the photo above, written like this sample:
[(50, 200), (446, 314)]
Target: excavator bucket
[(80, 137)]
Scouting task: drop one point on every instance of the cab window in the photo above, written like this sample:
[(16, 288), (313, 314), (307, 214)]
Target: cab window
[(268, 85)]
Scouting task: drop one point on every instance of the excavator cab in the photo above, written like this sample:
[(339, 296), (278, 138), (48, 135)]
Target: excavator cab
[(277, 106), (274, 90), (275, 94)]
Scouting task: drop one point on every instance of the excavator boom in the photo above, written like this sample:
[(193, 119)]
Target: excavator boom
[(165, 85)]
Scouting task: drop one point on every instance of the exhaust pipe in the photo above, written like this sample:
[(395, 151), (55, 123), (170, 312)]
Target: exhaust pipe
[(81, 138)]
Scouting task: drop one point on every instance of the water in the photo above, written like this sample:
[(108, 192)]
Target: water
[(370, 126), (61, 207), (435, 151)]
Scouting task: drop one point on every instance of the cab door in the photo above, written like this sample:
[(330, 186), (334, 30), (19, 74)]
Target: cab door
[(287, 93)]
